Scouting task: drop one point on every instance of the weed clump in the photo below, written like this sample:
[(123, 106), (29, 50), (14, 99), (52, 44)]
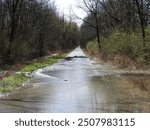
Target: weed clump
[(10, 83)]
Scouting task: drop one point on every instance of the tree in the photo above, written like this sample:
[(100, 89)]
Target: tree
[(30, 28), (93, 7), (127, 16)]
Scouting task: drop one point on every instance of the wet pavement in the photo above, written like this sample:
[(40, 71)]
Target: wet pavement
[(78, 84)]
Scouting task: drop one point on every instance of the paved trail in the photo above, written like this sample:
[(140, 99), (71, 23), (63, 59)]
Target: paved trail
[(76, 84)]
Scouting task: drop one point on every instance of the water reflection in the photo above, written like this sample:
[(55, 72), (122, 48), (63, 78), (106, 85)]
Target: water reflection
[(75, 85), (126, 94)]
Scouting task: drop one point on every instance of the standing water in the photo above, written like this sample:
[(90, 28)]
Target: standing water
[(77, 84)]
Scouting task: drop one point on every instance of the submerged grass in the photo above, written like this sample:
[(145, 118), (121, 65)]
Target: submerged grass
[(10, 83)]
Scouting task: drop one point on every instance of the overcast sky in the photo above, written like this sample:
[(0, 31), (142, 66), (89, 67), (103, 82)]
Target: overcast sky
[(65, 5)]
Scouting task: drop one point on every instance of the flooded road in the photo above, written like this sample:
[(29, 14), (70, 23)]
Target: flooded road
[(78, 84)]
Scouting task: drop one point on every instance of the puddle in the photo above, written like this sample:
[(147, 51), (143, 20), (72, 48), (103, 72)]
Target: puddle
[(80, 85)]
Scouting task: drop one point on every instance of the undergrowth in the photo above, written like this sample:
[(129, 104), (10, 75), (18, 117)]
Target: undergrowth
[(128, 46)]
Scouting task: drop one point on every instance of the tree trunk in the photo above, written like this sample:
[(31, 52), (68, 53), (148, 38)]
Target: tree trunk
[(141, 17), (97, 31), (142, 24), (41, 44)]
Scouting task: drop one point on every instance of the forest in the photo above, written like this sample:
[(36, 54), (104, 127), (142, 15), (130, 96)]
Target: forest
[(34, 28), (117, 27), (31, 29), (51, 63)]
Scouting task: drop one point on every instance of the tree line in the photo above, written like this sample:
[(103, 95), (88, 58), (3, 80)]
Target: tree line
[(32, 28), (131, 17)]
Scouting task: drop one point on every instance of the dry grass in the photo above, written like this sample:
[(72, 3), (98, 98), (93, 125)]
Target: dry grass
[(143, 84), (136, 87), (122, 62)]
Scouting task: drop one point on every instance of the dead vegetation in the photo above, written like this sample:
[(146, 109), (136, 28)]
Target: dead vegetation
[(135, 86), (143, 84), (123, 61)]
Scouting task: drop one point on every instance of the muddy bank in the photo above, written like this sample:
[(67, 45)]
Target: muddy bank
[(129, 93)]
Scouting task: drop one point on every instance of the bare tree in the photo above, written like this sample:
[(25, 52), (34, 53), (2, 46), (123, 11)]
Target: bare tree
[(93, 7), (14, 9), (143, 11)]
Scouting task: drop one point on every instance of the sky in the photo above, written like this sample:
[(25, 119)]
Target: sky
[(64, 6)]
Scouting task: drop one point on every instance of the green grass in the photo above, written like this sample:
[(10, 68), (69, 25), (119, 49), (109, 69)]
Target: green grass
[(10, 83), (34, 66)]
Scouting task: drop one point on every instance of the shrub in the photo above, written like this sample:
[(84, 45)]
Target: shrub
[(92, 47), (124, 44)]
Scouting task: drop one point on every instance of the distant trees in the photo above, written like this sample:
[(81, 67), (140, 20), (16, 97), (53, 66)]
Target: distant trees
[(92, 7), (29, 28), (127, 15)]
